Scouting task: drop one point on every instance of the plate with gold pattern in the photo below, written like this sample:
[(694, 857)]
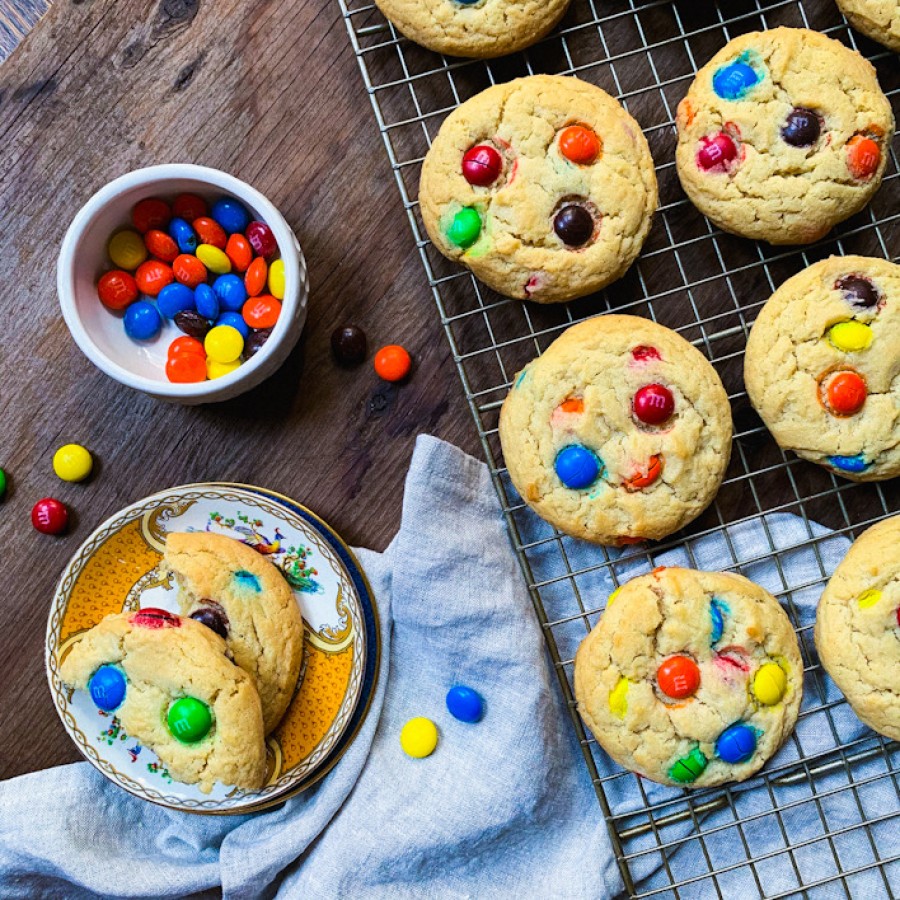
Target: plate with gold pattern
[(118, 568)]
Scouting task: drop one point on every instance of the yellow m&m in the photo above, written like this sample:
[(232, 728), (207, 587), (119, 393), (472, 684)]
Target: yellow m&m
[(72, 462), (223, 344), (127, 250), (769, 684), (851, 337), (419, 737), (618, 698), (868, 599), (214, 259), (276, 279)]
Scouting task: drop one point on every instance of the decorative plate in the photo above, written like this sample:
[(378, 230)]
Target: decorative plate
[(118, 568)]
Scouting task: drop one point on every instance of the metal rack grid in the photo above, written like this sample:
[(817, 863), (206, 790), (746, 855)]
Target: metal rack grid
[(708, 286)]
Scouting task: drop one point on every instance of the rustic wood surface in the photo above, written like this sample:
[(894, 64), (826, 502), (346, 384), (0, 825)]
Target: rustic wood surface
[(270, 92)]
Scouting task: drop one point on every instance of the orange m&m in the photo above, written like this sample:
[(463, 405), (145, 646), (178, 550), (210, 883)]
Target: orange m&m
[(845, 393), (186, 368), (189, 270), (186, 345), (678, 677), (392, 363), (160, 245), (239, 251), (863, 157), (261, 311), (579, 144), (255, 278), (644, 479), (117, 289), (209, 231), (152, 276)]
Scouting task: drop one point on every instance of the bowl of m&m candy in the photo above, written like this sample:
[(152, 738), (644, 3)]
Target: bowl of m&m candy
[(183, 282)]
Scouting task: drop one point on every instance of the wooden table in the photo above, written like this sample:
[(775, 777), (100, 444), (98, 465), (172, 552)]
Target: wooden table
[(270, 92)]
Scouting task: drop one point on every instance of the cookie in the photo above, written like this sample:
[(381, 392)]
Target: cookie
[(174, 689), (544, 187), (481, 29), (690, 678), (822, 366), (782, 135), (619, 432), (876, 19), (858, 627), (242, 596)]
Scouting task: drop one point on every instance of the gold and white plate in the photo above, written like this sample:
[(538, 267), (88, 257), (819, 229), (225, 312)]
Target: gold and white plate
[(118, 568)]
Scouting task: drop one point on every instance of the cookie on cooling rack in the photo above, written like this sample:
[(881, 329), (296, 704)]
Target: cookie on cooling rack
[(171, 685), (544, 187), (822, 366), (243, 597), (782, 135), (858, 627), (690, 678), (475, 28), (619, 432), (876, 19)]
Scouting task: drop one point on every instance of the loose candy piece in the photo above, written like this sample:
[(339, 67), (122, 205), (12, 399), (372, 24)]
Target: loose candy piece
[(465, 704), (645, 479), (716, 153), (72, 462), (107, 687), (717, 611), (160, 245), (736, 744), (236, 321), (210, 232), (150, 213), (769, 684), (574, 225), (214, 259), (189, 720), (117, 289), (255, 277), (230, 214), (239, 251), (678, 677), (858, 291), (189, 271), (262, 311), (223, 344), (173, 299), (348, 345), (465, 228), (653, 404), (689, 768), (845, 393), (188, 368), (152, 276), (482, 165), (231, 291), (733, 81), (853, 464), (207, 302), (801, 128), (577, 467), (392, 363), (142, 321), (261, 239), (189, 207), (213, 616), (863, 157), (579, 144), (216, 370), (183, 235), (419, 737), (276, 279), (618, 696), (126, 250), (49, 516), (851, 337), (868, 599)]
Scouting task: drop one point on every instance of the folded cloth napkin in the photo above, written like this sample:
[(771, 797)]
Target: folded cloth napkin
[(504, 807)]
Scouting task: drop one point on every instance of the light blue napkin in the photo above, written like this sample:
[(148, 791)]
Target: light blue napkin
[(504, 808)]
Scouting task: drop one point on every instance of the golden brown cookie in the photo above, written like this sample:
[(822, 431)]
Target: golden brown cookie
[(876, 19)]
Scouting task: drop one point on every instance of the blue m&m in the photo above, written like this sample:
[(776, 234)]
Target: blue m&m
[(733, 81), (465, 704), (231, 291), (142, 321), (207, 302), (852, 464), (577, 466), (175, 298), (107, 688), (736, 744), (717, 614), (231, 215), (183, 235)]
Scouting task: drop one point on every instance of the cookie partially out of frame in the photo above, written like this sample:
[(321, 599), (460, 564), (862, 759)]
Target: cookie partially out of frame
[(690, 678), (858, 627), (876, 19)]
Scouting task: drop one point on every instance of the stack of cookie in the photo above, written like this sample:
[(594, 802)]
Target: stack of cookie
[(201, 689)]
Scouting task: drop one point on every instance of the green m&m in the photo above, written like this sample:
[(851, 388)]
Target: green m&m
[(189, 720), (689, 767), (465, 227)]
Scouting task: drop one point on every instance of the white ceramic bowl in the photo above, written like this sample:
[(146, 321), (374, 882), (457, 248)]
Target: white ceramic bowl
[(100, 333)]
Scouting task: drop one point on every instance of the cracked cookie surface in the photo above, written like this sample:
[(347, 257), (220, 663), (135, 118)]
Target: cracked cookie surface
[(782, 135), (832, 327), (650, 478), (876, 19), (482, 29), (558, 144), (738, 678), (858, 627), (161, 659), (224, 582)]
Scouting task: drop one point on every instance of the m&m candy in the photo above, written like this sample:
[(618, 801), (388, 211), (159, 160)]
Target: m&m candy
[(689, 768), (256, 341), (392, 363), (482, 165), (262, 311), (465, 704), (161, 245), (577, 467), (152, 276), (213, 616), (189, 270), (579, 144), (858, 291), (348, 345), (214, 259), (863, 157), (2, 484), (117, 289), (231, 292), (223, 344), (72, 462), (49, 516), (188, 368), (107, 688), (126, 250), (653, 404), (142, 321), (465, 227), (189, 720), (173, 299), (276, 279), (678, 677), (769, 684), (189, 207), (230, 214), (207, 302), (240, 252), (186, 345), (192, 323), (732, 82), (261, 240), (853, 464), (850, 337), (210, 232), (716, 153), (419, 737), (150, 213), (573, 225), (736, 744), (802, 128), (183, 235), (217, 369), (255, 277), (236, 321), (845, 393)]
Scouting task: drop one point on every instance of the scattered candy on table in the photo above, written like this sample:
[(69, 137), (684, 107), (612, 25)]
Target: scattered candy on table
[(72, 462), (419, 737), (392, 363), (49, 516), (348, 344), (465, 704), (202, 267)]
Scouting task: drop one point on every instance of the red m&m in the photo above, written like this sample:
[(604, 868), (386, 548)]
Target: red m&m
[(49, 516), (716, 153), (653, 404), (845, 393), (117, 289), (482, 165), (678, 677)]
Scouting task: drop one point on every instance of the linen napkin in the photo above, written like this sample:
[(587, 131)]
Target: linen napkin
[(502, 808)]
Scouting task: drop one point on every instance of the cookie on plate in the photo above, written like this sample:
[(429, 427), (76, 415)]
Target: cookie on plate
[(822, 366), (174, 689), (690, 678), (858, 627), (876, 19), (782, 135), (236, 591), (544, 187), (619, 432), (475, 28)]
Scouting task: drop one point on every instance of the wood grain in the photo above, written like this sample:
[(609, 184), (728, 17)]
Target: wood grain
[(269, 91)]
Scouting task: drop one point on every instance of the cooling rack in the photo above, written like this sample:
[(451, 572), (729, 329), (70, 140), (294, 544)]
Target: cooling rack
[(829, 817)]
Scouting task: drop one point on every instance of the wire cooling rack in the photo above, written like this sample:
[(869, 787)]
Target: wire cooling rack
[(708, 286)]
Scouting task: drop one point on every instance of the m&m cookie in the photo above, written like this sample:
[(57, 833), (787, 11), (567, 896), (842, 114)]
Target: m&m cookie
[(475, 28), (619, 432), (782, 135), (858, 627), (690, 678), (544, 187), (876, 19), (822, 366)]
